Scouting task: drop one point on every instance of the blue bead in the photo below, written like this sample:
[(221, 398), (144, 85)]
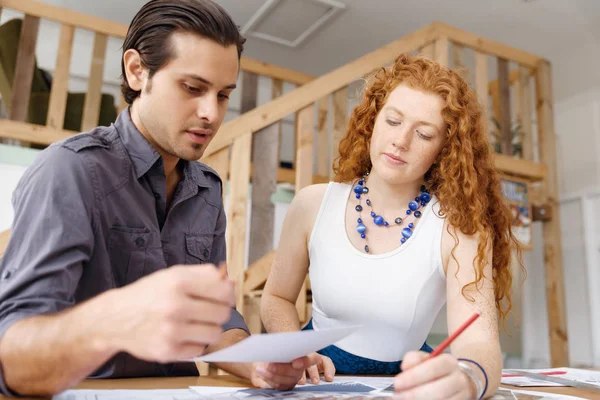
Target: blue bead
[(407, 232), (408, 212), (411, 225), (423, 188), (358, 208), (358, 189), (413, 205), (365, 190), (425, 197), (373, 214), (378, 220), (385, 223), (398, 220), (358, 196), (403, 240), (418, 198), (418, 214), (362, 235), (361, 182), (423, 203), (361, 228), (359, 220)]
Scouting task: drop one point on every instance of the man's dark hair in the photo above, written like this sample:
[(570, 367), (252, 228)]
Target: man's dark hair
[(150, 32)]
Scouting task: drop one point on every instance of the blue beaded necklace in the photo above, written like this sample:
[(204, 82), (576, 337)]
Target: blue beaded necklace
[(413, 208)]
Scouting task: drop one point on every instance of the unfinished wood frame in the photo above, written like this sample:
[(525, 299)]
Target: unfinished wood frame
[(91, 107), (60, 80), (555, 295), (340, 121)]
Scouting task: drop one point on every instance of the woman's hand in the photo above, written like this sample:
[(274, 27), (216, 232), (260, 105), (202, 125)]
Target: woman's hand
[(432, 378), (324, 366)]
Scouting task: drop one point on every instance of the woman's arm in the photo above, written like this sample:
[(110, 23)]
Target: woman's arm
[(290, 266), (480, 342)]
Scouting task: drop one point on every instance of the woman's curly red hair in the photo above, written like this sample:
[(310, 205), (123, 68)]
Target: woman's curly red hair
[(464, 178)]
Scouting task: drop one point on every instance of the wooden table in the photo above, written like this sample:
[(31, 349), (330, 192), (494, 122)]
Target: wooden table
[(230, 381)]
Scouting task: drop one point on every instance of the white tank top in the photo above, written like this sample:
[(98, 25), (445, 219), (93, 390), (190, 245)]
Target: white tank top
[(396, 296)]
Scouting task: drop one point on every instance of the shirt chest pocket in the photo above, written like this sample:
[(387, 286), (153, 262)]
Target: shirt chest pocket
[(198, 248), (133, 253)]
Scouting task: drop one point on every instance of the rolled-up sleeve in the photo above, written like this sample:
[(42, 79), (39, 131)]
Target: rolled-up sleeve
[(219, 250), (51, 238)]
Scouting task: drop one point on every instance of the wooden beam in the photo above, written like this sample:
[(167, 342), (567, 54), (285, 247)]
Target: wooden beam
[(555, 295), (91, 107), (458, 61), (340, 121), (264, 182), (323, 152), (318, 88), (513, 78), (288, 175), (442, 51), (275, 72), (122, 103), (66, 16), (4, 238), (528, 170), (237, 214), (524, 113), (481, 81), (504, 99), (258, 272), (304, 174), (31, 133), (24, 69), (484, 45), (60, 80)]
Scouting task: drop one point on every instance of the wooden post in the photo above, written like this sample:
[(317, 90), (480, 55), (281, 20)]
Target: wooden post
[(304, 174), (264, 181), (237, 215), (24, 69), (442, 51), (340, 116), (91, 108), (555, 295), (323, 152), (524, 112), (481, 81), (505, 121), (60, 80), (4, 238)]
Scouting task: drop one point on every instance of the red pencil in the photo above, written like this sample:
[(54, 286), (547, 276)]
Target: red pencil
[(451, 338)]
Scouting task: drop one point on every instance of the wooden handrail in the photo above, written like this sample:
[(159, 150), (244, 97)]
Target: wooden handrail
[(110, 28), (486, 46), (4, 236), (311, 92)]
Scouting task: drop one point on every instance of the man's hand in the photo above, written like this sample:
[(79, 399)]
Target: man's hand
[(323, 366), (282, 376), (172, 314)]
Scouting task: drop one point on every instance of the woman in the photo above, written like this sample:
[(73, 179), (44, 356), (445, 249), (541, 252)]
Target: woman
[(414, 219)]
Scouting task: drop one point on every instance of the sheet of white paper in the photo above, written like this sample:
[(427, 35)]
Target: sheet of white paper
[(159, 394), (574, 374), (278, 347), (542, 395)]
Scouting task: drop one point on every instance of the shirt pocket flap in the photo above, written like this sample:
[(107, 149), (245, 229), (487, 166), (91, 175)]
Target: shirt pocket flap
[(198, 246)]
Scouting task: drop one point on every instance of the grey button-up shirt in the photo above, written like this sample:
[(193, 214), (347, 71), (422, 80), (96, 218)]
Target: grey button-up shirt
[(90, 215)]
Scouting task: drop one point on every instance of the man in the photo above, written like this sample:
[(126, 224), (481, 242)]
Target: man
[(84, 284)]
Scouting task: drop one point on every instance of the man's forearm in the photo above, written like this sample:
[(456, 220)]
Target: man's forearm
[(232, 336), (47, 354)]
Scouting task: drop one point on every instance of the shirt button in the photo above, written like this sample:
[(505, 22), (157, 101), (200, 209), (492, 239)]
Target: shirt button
[(140, 241), (156, 196), (205, 253)]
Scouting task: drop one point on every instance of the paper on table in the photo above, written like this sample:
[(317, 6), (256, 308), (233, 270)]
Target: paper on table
[(157, 394), (278, 347), (529, 395), (574, 374)]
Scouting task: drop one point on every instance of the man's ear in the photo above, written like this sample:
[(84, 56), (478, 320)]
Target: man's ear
[(134, 70)]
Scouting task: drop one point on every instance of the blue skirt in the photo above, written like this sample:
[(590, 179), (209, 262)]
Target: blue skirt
[(350, 364)]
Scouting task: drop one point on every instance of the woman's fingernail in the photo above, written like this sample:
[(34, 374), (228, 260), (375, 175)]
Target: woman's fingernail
[(315, 380)]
